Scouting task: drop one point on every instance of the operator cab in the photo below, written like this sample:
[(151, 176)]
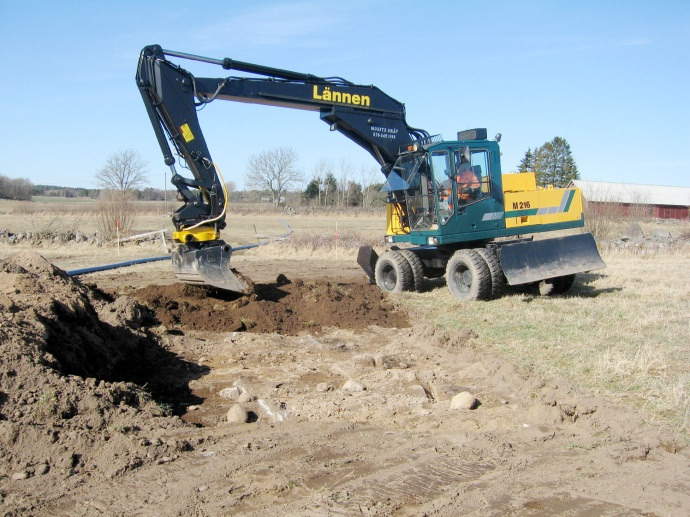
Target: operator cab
[(435, 184)]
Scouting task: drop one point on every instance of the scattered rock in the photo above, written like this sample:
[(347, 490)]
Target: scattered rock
[(463, 400), (632, 231), (363, 360), (281, 279), (353, 386), (387, 362), (661, 233), (237, 415), (230, 393), (323, 387), (245, 397), (20, 475)]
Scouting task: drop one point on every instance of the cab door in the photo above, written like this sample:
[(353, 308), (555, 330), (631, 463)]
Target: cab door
[(473, 188), (441, 167)]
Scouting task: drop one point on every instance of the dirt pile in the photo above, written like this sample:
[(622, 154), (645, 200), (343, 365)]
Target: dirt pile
[(69, 359), (284, 307)]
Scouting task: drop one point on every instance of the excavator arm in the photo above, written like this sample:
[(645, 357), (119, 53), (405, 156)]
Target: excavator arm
[(172, 97)]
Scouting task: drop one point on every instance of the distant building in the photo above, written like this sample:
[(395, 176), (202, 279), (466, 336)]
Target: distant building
[(656, 200)]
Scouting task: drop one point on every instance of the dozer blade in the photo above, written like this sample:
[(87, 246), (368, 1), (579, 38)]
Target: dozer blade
[(532, 261), (209, 265)]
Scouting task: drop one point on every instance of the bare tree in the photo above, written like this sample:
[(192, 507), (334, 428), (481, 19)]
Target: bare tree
[(115, 215), (124, 170), (273, 171), (323, 176), (370, 176), (345, 172), (230, 186)]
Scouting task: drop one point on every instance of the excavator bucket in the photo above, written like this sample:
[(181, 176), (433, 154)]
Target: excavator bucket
[(208, 266), (533, 261), (366, 258)]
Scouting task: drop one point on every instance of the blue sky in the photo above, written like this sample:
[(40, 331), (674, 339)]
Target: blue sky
[(610, 77)]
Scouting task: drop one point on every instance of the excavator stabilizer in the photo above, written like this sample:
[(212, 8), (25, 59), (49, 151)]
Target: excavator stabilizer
[(208, 265), (532, 261)]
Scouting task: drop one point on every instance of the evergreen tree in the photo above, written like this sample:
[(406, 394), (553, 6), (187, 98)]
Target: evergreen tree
[(313, 189), (554, 164), (526, 164)]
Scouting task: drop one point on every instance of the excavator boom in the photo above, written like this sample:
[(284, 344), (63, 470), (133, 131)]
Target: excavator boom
[(172, 96)]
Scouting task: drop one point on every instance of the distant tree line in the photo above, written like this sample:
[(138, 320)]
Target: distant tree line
[(275, 177), (68, 192), (19, 189), (145, 194)]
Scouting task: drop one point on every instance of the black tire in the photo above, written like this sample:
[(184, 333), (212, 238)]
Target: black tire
[(393, 273), (417, 269), (468, 276), (498, 279), (558, 285)]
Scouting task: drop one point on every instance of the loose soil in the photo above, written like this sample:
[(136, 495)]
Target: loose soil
[(114, 404), (283, 306)]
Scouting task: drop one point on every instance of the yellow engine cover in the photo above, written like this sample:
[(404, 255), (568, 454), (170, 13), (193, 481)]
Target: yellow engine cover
[(519, 182), (529, 205)]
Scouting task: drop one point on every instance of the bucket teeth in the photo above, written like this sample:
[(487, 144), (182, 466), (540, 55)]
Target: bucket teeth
[(208, 265)]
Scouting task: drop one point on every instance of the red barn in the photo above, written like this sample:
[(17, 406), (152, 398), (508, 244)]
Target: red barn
[(642, 200)]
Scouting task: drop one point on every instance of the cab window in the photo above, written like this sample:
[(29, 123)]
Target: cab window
[(441, 167), (472, 177)]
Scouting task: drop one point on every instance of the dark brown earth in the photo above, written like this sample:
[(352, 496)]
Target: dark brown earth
[(284, 306)]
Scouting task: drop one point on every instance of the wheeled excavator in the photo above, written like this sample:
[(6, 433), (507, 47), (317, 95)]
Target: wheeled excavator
[(439, 222)]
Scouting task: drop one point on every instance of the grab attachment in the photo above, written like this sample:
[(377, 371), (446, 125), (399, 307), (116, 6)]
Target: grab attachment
[(208, 265)]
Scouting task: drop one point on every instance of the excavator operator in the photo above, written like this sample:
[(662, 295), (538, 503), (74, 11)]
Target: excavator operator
[(467, 183)]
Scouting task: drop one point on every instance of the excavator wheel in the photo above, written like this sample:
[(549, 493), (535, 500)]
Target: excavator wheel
[(468, 276), (558, 285), (498, 279), (393, 272), (417, 269)]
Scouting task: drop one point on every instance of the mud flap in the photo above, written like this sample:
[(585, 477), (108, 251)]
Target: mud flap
[(366, 258), (209, 265), (532, 261)]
